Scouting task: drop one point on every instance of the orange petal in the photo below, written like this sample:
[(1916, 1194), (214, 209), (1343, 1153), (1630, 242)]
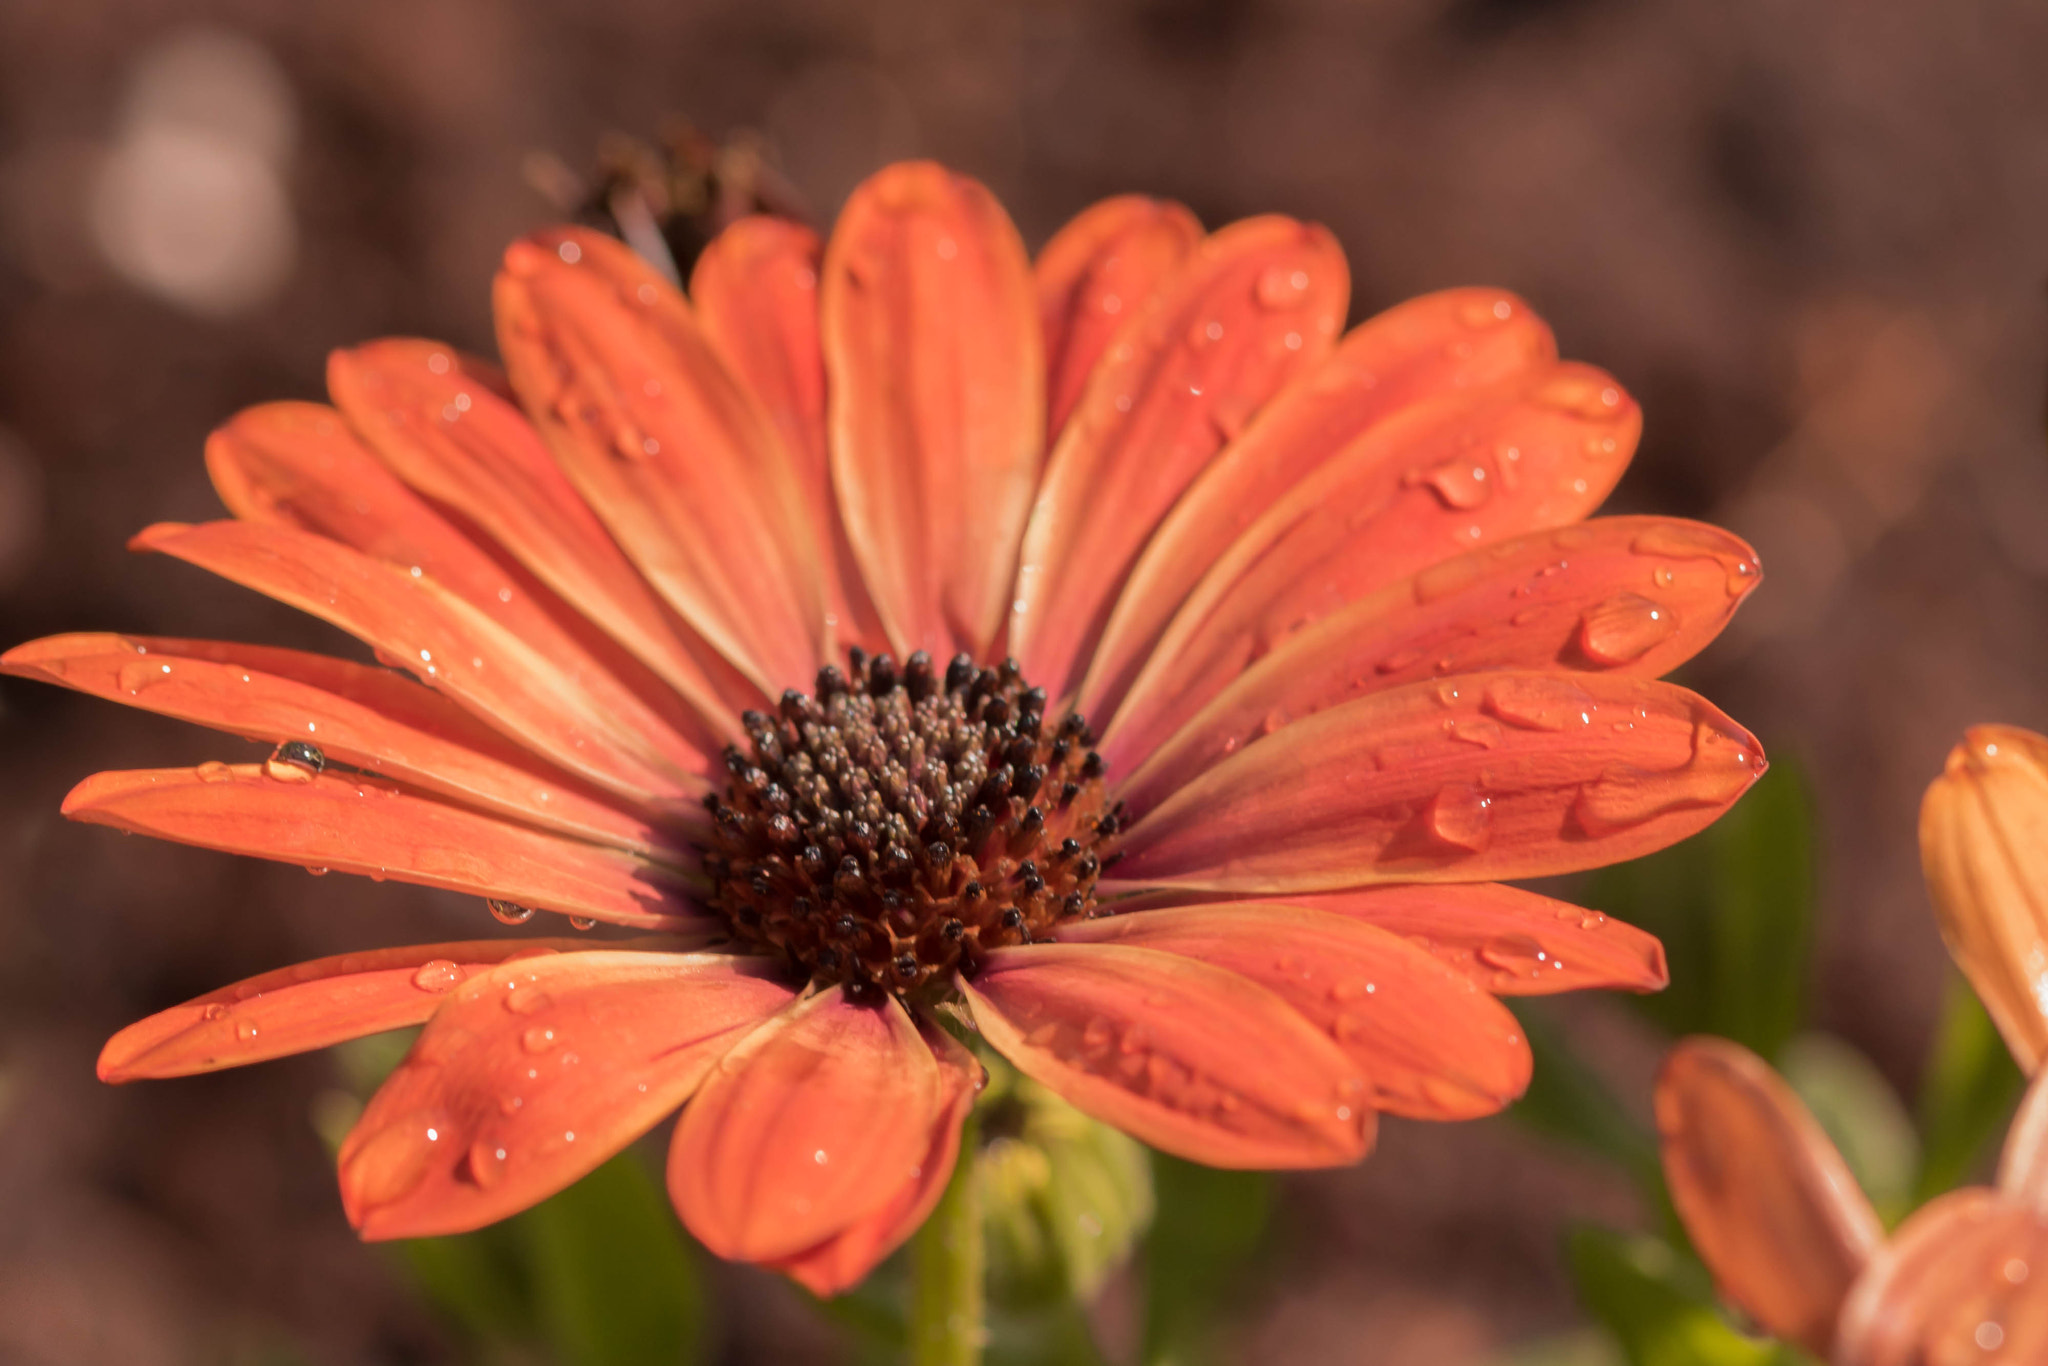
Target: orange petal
[(1099, 272), (1477, 777), (666, 446), (1508, 941), (1458, 339), (364, 717), (363, 825), (434, 416), (579, 718), (2023, 1167), (1436, 479), (756, 292), (1257, 304), (937, 400), (811, 1125), (310, 1005), (1430, 1043), (1960, 1282), (1201, 1062), (844, 1261), (1984, 849), (534, 1073), (1628, 595), (1765, 1197)]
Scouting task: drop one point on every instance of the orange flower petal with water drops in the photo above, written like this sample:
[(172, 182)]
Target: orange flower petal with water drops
[(309, 1005), (844, 1260), (756, 292), (1475, 778), (1961, 1281), (1190, 1058), (1430, 1044), (275, 810), (814, 1123), (1100, 271), (1984, 850), (1508, 941), (1767, 1200), (937, 406), (582, 721), (1625, 595), (2023, 1166), (367, 718), (532, 1074), (667, 447), (1256, 305), (1457, 339), (436, 419), (1436, 479)]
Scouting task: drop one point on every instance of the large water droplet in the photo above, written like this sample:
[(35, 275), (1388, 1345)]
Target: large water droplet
[(1515, 954), (437, 975), (582, 922), (538, 1039), (509, 912), (214, 771), (1460, 483), (139, 674), (295, 761), (1582, 396), (1536, 703), (1460, 815), (1721, 766), (1624, 628), (486, 1162)]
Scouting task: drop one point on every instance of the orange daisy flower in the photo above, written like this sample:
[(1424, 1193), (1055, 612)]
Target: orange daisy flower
[(1792, 1239), (1205, 673)]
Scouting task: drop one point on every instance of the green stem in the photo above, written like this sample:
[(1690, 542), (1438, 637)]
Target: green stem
[(948, 1313)]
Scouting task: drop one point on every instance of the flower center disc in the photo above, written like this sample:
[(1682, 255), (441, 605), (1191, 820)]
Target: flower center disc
[(897, 826)]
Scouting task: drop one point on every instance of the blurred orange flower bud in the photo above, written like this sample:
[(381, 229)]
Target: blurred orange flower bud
[(1767, 1200), (1984, 849)]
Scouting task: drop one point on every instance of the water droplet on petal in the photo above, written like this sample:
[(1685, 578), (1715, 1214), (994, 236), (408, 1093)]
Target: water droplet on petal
[(137, 675), (1535, 703), (392, 1161), (538, 1039), (486, 1162), (582, 922), (1460, 483), (1721, 766), (315, 870), (295, 761), (214, 1011), (1459, 815), (1515, 954), (1281, 286), (214, 771), (437, 975), (509, 912), (245, 1030), (1624, 628)]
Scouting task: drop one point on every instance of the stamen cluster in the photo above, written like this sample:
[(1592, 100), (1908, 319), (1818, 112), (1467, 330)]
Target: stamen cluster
[(897, 826)]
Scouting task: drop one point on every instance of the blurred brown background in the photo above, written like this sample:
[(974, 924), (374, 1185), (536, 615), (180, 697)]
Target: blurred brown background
[(1812, 238)]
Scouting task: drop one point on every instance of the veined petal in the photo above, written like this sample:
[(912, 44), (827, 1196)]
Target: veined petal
[(363, 825), (312, 1005), (436, 418), (1257, 304), (1765, 1197), (580, 719), (1984, 849), (937, 400), (1431, 1044), (844, 1261), (1477, 777), (1099, 272), (1457, 339), (1507, 941), (1625, 595), (1190, 1058), (2023, 1166), (368, 718), (1960, 1281), (1440, 477), (532, 1074), (669, 450), (756, 292), (815, 1122)]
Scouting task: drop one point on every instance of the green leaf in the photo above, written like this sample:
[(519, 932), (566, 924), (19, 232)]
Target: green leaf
[(1734, 907), (613, 1281), (1208, 1228), (1969, 1090), (1654, 1303), (1568, 1102), (1859, 1110)]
